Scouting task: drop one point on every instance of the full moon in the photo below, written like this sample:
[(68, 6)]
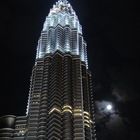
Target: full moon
[(109, 107)]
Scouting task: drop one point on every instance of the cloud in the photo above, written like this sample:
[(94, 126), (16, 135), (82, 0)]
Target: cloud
[(109, 123), (120, 94), (124, 95), (101, 111)]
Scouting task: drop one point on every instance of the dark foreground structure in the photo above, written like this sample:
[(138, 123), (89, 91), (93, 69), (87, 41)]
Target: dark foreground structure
[(7, 125), (60, 105)]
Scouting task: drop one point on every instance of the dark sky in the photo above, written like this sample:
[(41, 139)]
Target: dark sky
[(110, 29)]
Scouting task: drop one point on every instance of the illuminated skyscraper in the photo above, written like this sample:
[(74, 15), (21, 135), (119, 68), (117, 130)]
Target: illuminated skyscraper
[(60, 105)]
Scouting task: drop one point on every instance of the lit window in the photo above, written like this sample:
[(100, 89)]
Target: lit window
[(22, 132)]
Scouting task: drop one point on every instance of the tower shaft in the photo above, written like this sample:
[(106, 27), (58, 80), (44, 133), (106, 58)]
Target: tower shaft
[(60, 104)]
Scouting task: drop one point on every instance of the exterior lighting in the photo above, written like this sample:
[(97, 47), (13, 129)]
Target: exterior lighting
[(91, 121), (77, 114), (54, 109), (67, 110), (67, 106), (87, 121), (87, 125), (86, 117), (22, 132), (86, 113), (77, 110)]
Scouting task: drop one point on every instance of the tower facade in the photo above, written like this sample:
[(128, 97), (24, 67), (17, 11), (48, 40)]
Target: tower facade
[(60, 99), (60, 104)]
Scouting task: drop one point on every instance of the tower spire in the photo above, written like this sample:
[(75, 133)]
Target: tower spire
[(64, 0)]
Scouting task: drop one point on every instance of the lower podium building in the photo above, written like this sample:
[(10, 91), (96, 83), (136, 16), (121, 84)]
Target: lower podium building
[(60, 104), (7, 125)]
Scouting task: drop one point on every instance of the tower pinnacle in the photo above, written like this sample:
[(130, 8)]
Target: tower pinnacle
[(64, 1), (62, 31)]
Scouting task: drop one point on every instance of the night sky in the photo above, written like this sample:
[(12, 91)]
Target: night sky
[(110, 30)]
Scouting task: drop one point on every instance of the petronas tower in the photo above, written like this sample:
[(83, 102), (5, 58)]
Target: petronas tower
[(60, 103)]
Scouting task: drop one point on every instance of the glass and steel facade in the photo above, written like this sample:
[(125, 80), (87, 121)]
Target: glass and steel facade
[(60, 104)]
